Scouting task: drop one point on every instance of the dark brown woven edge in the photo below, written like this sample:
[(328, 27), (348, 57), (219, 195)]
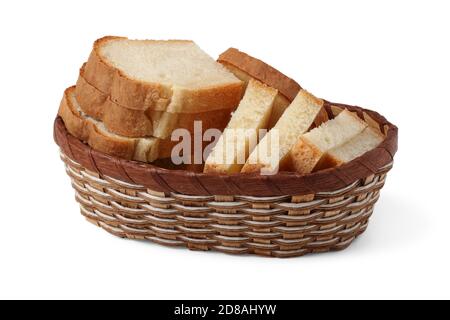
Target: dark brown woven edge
[(199, 184)]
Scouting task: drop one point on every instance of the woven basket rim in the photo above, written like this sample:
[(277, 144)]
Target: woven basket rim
[(252, 184)]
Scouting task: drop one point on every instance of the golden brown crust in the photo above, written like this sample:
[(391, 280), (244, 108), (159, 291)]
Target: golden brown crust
[(140, 95), (281, 101), (305, 156), (122, 148), (127, 122), (87, 131), (279, 107), (209, 120), (261, 71), (138, 123), (125, 91), (322, 117), (74, 122), (99, 71), (91, 99)]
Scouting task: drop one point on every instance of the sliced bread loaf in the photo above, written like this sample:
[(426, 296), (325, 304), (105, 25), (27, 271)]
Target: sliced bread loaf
[(246, 67), (141, 123), (312, 146), (175, 76), (240, 136), (367, 140), (296, 120), (99, 138)]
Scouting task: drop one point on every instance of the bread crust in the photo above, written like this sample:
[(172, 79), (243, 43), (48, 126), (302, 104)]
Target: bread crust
[(87, 130), (122, 148), (305, 156), (140, 95), (261, 71), (246, 67), (73, 121), (279, 105), (139, 123)]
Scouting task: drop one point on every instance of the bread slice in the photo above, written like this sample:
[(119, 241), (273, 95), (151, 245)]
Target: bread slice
[(246, 67), (174, 76), (240, 136), (367, 140), (95, 134), (140, 123), (313, 145), (296, 120)]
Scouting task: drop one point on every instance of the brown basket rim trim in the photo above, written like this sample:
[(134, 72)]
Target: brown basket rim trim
[(184, 182)]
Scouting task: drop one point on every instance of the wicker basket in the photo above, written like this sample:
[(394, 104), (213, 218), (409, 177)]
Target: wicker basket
[(285, 215)]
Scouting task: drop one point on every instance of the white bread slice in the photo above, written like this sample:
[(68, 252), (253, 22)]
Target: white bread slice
[(367, 140), (141, 123), (312, 146), (240, 136), (279, 105), (246, 67), (296, 120), (174, 76), (95, 134)]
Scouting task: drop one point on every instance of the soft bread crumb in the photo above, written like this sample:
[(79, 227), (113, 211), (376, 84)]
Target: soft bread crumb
[(240, 136), (295, 121), (172, 63), (369, 139), (312, 146), (336, 132)]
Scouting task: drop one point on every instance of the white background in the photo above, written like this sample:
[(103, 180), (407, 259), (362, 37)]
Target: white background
[(391, 56)]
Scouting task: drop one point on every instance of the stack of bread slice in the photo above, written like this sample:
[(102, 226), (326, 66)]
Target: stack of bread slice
[(298, 147), (303, 137), (312, 146), (367, 140), (298, 118), (246, 67), (131, 95)]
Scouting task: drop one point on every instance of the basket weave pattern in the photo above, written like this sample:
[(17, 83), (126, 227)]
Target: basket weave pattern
[(281, 226)]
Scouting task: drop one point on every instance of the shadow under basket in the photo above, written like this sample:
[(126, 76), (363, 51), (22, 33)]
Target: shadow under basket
[(285, 215)]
